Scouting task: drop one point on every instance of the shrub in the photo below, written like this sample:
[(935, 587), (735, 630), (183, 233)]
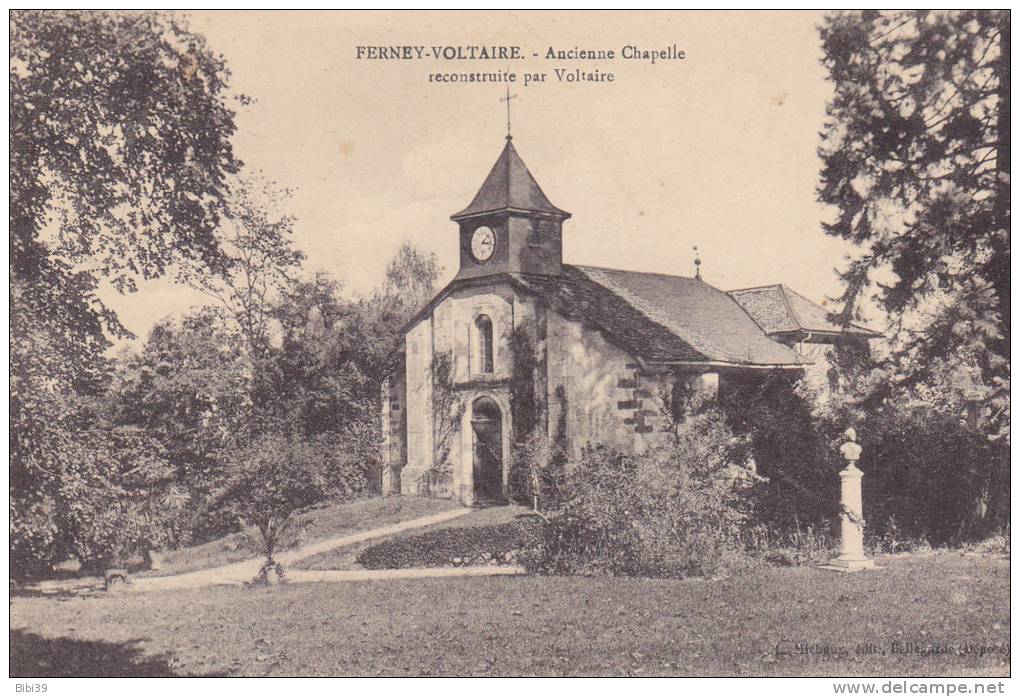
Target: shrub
[(928, 475), (794, 451), (537, 472), (931, 475), (477, 544), (112, 495), (672, 511)]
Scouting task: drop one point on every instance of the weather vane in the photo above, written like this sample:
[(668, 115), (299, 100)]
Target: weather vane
[(697, 263), (507, 99)]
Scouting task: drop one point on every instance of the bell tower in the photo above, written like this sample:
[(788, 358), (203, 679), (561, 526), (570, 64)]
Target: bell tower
[(510, 226)]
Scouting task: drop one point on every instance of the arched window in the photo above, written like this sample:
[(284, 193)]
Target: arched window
[(483, 331)]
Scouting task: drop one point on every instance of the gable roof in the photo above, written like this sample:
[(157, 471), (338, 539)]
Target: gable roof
[(778, 309), (673, 319), (510, 186)]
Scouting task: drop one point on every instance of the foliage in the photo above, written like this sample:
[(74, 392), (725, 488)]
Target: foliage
[(411, 277), (539, 471), (539, 460), (928, 473), (672, 511), (916, 160), (448, 408), (190, 386), (115, 495), (794, 451), (257, 259), (474, 544), (119, 150), (335, 352), (277, 475), (197, 386)]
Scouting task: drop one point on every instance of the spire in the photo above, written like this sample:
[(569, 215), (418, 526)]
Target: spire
[(510, 187)]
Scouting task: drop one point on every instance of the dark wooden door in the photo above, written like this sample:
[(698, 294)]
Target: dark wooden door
[(488, 459)]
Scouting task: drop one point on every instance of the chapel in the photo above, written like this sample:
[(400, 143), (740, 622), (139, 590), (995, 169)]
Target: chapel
[(521, 342)]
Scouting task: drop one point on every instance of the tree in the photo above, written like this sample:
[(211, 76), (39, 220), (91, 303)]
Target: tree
[(119, 150), (335, 350), (190, 388), (411, 277), (257, 260), (273, 478), (916, 161), (117, 496)]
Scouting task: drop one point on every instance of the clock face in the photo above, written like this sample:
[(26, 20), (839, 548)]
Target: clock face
[(483, 243)]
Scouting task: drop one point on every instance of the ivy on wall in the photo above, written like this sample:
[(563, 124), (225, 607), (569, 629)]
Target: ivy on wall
[(538, 462), (447, 411)]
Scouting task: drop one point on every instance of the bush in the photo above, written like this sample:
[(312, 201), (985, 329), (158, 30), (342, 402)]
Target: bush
[(928, 476), (672, 511), (115, 497), (795, 451), (477, 544)]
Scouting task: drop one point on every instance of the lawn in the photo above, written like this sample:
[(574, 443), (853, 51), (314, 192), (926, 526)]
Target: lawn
[(327, 521), (789, 621)]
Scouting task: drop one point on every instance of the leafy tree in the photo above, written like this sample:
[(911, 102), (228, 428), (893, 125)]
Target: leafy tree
[(273, 478), (119, 153), (411, 277), (916, 161), (257, 261), (335, 350), (793, 447), (190, 387)]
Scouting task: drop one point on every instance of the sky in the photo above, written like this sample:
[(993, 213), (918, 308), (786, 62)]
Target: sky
[(716, 150)]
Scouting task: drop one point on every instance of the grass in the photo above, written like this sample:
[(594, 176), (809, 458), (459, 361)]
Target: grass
[(327, 521), (347, 557), (539, 626)]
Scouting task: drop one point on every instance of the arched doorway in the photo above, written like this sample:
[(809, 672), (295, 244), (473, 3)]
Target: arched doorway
[(487, 449)]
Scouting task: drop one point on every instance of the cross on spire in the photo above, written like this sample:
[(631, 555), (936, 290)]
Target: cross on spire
[(507, 99)]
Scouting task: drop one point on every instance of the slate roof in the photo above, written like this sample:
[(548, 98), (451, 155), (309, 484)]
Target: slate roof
[(778, 309), (510, 186), (663, 319)]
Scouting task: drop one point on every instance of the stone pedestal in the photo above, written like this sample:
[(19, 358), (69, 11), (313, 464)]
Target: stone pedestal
[(851, 550)]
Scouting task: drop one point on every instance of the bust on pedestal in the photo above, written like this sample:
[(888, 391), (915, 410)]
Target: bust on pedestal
[(851, 550)]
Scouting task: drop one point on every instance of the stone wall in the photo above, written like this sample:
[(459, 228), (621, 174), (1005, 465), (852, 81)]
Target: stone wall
[(418, 349), (597, 392)]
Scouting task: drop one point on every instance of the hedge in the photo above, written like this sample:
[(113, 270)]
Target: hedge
[(482, 544)]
